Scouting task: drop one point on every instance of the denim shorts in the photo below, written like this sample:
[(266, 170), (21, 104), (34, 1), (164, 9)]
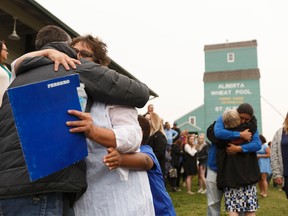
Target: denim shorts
[(49, 204)]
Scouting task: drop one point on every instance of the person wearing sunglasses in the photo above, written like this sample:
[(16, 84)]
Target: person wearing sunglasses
[(5, 73), (91, 48), (124, 185)]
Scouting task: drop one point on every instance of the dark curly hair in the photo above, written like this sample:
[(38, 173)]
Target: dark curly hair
[(98, 47)]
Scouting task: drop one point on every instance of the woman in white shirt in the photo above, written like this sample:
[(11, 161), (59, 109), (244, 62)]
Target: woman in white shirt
[(112, 192), (190, 163)]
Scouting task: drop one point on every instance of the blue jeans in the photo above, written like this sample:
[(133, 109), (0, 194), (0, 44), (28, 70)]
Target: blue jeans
[(50, 204)]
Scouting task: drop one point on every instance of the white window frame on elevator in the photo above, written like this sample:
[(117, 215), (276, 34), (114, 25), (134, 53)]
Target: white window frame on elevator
[(192, 120), (230, 57)]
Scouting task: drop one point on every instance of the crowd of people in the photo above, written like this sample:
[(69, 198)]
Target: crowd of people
[(134, 160), (186, 155)]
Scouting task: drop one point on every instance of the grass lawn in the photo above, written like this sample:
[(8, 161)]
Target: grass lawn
[(275, 204)]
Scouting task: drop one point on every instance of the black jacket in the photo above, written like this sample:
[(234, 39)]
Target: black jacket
[(158, 143), (202, 154), (101, 83), (175, 156)]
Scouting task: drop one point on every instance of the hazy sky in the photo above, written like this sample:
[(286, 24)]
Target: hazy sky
[(161, 42)]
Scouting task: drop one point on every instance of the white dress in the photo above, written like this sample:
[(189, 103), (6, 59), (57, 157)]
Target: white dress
[(115, 192)]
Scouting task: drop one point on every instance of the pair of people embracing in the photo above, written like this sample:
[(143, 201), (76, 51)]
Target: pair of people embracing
[(236, 158)]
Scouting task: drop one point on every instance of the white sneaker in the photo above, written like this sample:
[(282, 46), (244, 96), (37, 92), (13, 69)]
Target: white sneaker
[(200, 190), (204, 192)]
